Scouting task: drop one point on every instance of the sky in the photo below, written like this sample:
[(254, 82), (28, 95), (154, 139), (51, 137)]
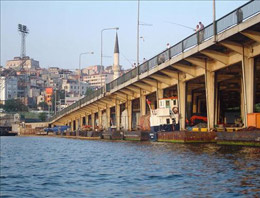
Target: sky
[(61, 30)]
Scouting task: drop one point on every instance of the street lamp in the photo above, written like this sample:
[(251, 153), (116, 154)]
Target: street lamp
[(80, 69)]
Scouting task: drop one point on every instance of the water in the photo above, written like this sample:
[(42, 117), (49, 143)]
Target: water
[(59, 167)]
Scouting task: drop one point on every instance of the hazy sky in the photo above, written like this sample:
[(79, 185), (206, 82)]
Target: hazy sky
[(61, 30)]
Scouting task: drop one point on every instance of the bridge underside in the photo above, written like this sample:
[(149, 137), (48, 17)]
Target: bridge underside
[(220, 80)]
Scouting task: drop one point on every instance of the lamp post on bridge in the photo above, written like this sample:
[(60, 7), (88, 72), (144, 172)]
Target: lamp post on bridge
[(80, 69)]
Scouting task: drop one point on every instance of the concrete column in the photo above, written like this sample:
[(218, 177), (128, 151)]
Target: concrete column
[(249, 80), (194, 103), (77, 123), (108, 116), (242, 103), (159, 95), (71, 125), (217, 107), (81, 121), (117, 115), (189, 104), (142, 103), (129, 114), (93, 120), (86, 119), (100, 118), (248, 86), (210, 97), (182, 104)]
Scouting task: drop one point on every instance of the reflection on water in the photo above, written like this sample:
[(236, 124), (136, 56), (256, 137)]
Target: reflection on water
[(58, 167)]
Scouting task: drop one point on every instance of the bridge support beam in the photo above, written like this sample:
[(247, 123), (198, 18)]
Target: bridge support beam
[(86, 119), (76, 123), (189, 104), (142, 103), (247, 99), (71, 125), (129, 113), (182, 97), (108, 116), (93, 120), (118, 115), (159, 95), (100, 119), (249, 80), (210, 97), (194, 103), (81, 121)]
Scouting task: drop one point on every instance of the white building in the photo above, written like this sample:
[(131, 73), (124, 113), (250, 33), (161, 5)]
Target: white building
[(98, 80), (25, 63), (40, 99), (8, 88), (72, 87), (96, 69)]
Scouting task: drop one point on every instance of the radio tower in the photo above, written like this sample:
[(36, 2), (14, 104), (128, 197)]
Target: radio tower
[(24, 31)]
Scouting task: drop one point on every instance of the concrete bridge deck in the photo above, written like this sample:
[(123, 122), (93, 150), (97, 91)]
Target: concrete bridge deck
[(210, 73)]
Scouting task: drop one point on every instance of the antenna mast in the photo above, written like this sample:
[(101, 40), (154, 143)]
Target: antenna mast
[(24, 31)]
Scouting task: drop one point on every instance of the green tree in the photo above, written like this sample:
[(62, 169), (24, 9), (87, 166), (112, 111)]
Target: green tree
[(43, 116), (89, 91), (43, 105), (14, 105)]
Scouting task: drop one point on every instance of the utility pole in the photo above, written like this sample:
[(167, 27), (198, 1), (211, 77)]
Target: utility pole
[(138, 24), (80, 70), (214, 21)]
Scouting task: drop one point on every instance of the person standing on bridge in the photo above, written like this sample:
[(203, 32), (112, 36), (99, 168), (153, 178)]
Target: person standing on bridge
[(201, 33)]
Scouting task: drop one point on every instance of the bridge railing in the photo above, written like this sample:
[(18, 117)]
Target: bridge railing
[(229, 20)]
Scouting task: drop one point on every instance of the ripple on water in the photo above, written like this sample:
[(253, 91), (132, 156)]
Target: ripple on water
[(59, 167)]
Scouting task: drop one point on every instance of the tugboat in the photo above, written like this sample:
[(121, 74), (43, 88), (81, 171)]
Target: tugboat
[(165, 118)]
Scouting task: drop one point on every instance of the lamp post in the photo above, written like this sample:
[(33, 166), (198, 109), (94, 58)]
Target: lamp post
[(80, 69), (138, 37)]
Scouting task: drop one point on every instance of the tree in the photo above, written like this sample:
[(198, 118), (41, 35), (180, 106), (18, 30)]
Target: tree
[(14, 105), (43, 116), (43, 105), (89, 91)]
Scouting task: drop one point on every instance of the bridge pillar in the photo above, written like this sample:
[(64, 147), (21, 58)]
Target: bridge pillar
[(77, 122), (129, 113), (100, 119), (249, 80), (247, 97), (81, 121), (159, 95), (71, 125), (93, 120), (182, 103), (210, 98), (194, 103), (86, 119), (142, 103), (108, 116), (217, 106), (189, 104), (117, 115)]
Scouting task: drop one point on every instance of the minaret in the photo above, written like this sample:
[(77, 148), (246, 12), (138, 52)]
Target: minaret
[(116, 67)]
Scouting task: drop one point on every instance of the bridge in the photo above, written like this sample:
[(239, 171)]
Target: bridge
[(214, 72)]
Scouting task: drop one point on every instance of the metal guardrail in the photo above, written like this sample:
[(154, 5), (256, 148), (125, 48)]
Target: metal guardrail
[(231, 19)]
